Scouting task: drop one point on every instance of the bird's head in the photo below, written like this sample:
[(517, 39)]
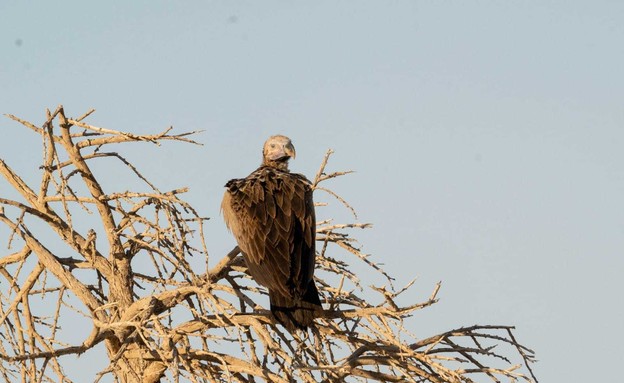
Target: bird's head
[(277, 151)]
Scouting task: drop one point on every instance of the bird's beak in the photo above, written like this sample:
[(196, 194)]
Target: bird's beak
[(289, 150)]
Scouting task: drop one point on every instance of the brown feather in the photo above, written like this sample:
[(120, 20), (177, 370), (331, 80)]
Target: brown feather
[(271, 214)]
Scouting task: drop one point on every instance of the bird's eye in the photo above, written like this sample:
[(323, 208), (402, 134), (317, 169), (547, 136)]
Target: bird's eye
[(272, 145)]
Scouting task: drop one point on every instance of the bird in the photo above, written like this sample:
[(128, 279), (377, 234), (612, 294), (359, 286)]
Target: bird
[(271, 215)]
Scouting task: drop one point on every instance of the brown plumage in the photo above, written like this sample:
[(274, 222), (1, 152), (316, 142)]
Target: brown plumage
[(271, 214)]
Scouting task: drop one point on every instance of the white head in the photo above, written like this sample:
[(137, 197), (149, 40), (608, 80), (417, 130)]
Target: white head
[(277, 151)]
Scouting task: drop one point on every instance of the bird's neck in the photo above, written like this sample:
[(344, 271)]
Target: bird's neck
[(279, 165)]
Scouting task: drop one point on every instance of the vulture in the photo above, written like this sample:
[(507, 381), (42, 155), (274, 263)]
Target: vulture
[(271, 214)]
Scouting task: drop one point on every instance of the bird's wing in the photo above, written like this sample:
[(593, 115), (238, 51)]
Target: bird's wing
[(271, 214)]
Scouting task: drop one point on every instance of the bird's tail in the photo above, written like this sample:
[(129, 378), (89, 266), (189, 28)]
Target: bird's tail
[(297, 313)]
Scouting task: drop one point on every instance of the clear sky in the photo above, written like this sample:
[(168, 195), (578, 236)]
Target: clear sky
[(488, 137)]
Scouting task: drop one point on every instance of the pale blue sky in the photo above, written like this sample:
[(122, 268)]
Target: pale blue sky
[(487, 136)]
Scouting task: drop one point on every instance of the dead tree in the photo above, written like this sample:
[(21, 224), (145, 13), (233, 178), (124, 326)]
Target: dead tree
[(122, 261)]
